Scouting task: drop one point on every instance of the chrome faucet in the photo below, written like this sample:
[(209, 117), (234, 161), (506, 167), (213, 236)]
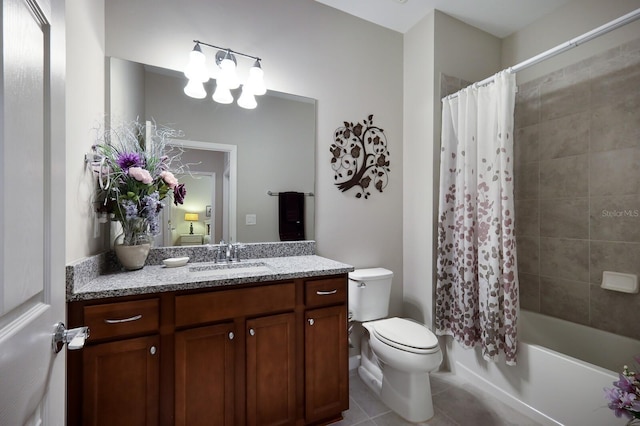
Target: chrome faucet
[(227, 252)]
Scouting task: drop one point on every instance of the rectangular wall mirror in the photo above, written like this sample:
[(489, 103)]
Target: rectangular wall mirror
[(274, 146)]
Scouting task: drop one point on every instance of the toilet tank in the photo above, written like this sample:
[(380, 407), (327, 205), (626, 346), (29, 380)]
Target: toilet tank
[(369, 291)]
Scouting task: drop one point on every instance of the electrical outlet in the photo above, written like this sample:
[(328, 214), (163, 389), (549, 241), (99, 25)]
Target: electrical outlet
[(250, 219)]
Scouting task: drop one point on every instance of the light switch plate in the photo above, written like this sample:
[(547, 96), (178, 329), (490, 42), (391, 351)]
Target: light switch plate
[(250, 219)]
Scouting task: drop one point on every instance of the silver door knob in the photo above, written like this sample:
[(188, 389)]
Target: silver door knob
[(311, 321), (74, 338), (252, 332)]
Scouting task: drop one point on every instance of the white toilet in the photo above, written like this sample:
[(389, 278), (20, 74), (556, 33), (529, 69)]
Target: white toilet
[(397, 354)]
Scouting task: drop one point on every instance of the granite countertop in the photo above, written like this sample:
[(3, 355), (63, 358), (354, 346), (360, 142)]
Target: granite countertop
[(158, 278)]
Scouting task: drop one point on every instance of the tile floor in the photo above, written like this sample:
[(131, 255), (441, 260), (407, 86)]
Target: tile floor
[(456, 404)]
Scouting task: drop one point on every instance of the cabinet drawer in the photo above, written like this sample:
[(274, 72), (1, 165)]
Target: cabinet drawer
[(326, 291), (122, 319), (219, 305)]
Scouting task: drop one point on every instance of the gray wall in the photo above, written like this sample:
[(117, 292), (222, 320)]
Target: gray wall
[(577, 164)]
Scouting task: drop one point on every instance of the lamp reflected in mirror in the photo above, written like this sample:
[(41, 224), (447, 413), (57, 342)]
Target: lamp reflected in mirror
[(191, 217)]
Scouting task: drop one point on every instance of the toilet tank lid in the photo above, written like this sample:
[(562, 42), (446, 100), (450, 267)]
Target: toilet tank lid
[(370, 274)]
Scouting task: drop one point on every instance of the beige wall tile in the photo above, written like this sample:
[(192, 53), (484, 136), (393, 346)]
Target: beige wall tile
[(565, 136), (615, 218), (564, 218), (564, 177), (614, 172), (615, 312), (565, 299), (564, 258), (613, 256)]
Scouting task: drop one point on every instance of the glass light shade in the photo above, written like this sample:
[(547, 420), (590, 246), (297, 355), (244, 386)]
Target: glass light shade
[(256, 80), (191, 217), (228, 74), (197, 68), (246, 99), (222, 95), (195, 89)]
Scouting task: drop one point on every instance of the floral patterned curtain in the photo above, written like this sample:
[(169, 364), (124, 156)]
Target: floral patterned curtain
[(477, 277)]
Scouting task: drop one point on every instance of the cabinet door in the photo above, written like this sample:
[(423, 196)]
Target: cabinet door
[(204, 376), (121, 382), (326, 363), (271, 370)]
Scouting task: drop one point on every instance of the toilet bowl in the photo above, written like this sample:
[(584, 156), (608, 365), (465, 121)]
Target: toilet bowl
[(397, 354)]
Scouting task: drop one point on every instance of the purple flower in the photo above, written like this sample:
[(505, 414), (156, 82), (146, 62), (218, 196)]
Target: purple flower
[(625, 383), (150, 204), (179, 192), (129, 159), (130, 209)]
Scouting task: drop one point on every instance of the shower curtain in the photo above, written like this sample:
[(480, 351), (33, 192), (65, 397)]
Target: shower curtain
[(477, 277)]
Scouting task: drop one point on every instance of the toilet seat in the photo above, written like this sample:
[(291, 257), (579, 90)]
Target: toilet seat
[(405, 335)]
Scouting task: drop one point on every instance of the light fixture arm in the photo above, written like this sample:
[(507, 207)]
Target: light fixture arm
[(227, 50)]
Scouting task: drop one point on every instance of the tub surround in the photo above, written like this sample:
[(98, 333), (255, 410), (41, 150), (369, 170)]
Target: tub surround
[(99, 276), (577, 189)]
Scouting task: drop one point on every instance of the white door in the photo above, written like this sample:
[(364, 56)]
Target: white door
[(32, 197)]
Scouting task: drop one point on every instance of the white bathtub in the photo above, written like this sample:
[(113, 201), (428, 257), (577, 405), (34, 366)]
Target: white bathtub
[(547, 384)]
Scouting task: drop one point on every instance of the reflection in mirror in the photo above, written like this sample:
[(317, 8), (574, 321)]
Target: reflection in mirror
[(274, 145), (211, 190)]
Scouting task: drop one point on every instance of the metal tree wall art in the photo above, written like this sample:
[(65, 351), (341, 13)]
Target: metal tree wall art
[(360, 157)]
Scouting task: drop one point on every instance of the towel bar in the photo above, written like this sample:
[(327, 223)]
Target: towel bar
[(275, 194)]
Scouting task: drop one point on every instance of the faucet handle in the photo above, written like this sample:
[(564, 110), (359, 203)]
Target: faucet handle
[(237, 250)]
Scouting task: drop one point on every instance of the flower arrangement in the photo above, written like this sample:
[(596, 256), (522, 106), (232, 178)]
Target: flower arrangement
[(624, 397), (134, 175)]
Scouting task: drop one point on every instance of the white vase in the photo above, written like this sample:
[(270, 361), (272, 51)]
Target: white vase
[(132, 257)]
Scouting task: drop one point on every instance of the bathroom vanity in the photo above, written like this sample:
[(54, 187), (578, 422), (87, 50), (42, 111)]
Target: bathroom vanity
[(181, 346)]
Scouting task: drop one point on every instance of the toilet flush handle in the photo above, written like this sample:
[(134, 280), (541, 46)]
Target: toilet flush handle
[(361, 284)]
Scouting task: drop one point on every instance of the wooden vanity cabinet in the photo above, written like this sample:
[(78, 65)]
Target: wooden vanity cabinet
[(121, 383), (326, 350), (261, 390), (271, 370), (118, 373), (263, 354), (205, 375)]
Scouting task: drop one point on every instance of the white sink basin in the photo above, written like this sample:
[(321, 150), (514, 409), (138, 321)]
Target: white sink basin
[(229, 269)]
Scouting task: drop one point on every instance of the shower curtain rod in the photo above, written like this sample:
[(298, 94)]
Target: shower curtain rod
[(574, 42)]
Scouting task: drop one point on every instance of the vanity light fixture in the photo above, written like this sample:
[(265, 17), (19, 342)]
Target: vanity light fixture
[(225, 75)]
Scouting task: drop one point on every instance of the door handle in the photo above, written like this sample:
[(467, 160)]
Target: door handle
[(73, 338)]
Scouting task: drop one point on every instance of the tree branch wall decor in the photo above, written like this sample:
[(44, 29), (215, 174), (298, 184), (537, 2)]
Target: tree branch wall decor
[(360, 157)]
